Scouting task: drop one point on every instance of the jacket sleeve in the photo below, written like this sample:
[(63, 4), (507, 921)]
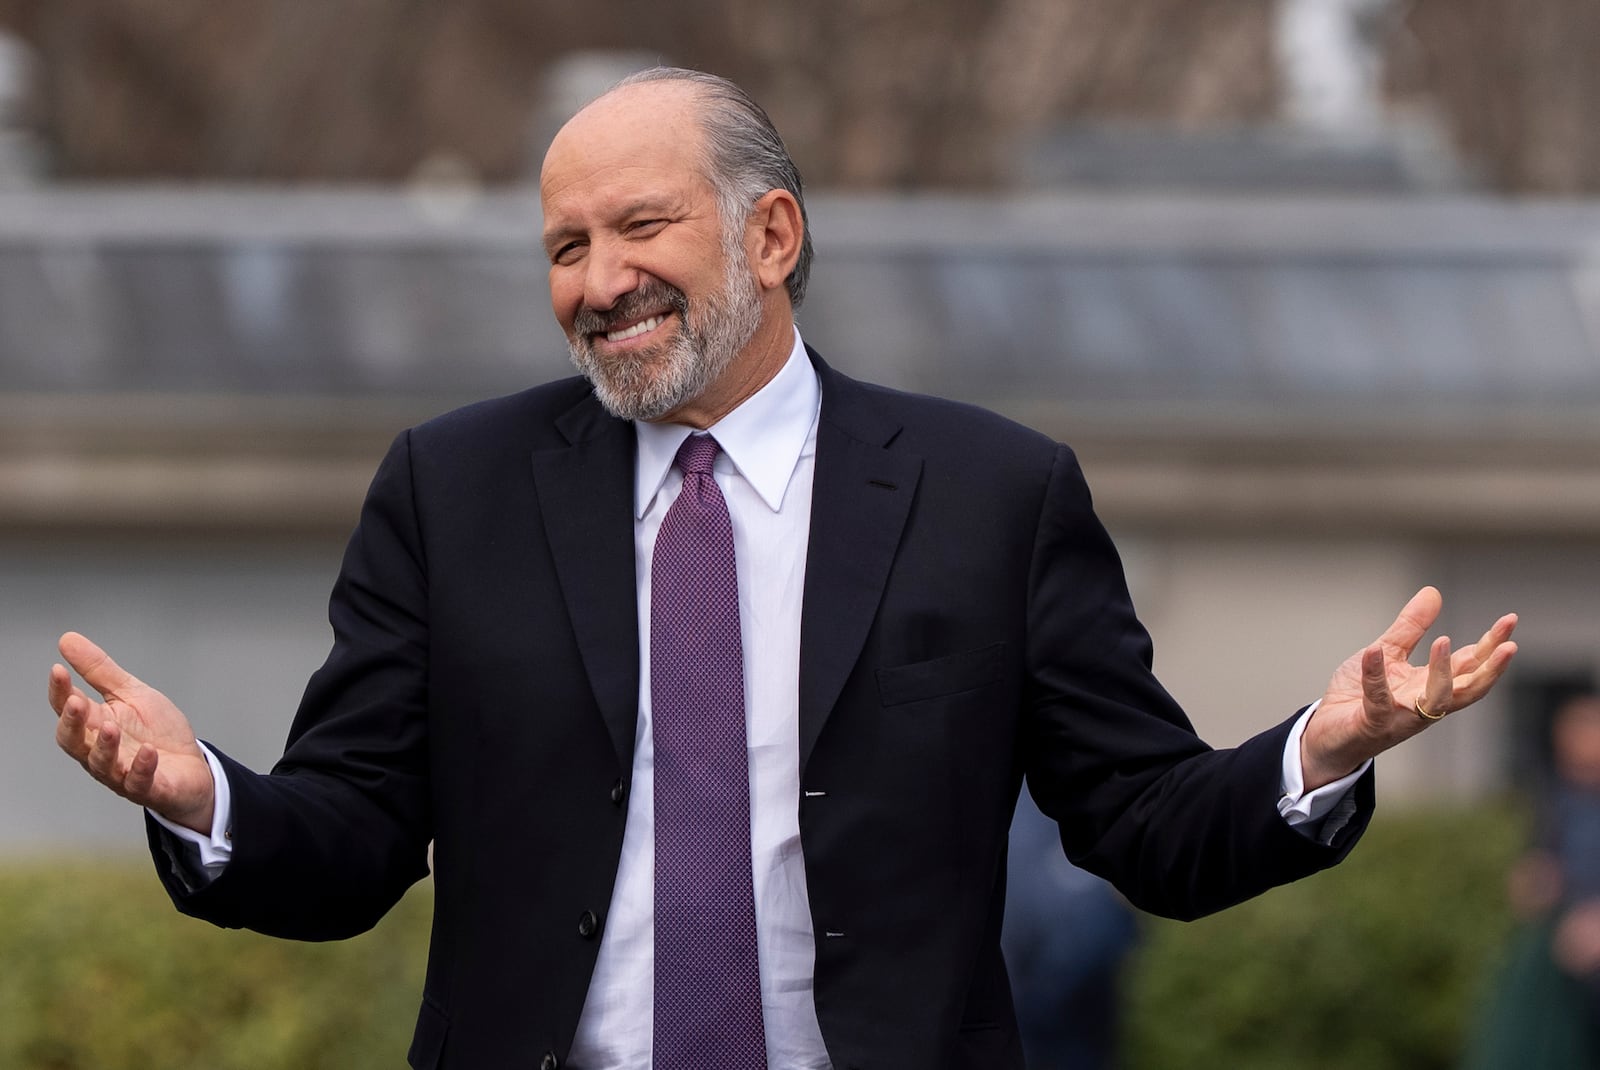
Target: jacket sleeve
[(328, 841), (1181, 829)]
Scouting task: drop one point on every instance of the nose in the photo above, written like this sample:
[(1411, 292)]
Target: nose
[(608, 275)]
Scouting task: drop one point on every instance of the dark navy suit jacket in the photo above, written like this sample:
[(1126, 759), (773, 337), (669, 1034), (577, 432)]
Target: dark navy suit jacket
[(966, 625)]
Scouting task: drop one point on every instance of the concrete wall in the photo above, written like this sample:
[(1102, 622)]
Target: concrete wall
[(229, 628)]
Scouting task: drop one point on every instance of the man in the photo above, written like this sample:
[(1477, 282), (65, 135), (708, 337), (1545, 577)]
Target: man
[(564, 613)]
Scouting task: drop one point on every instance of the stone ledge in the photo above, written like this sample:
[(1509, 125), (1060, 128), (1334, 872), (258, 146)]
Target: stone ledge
[(283, 466), (163, 463)]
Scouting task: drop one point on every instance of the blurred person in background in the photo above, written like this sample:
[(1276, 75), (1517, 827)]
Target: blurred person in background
[(1545, 1009), (1066, 936), (1561, 876)]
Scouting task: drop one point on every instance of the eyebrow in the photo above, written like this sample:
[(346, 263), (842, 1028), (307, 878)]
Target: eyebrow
[(555, 239), (649, 206)]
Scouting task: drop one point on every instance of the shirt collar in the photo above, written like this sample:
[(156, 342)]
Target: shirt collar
[(763, 437)]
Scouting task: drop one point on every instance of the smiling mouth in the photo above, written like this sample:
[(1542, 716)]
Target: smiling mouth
[(644, 326)]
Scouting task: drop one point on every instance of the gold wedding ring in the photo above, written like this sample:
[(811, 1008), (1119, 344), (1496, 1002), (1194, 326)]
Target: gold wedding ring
[(1423, 712)]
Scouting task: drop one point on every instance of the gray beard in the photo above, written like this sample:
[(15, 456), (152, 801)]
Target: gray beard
[(649, 384)]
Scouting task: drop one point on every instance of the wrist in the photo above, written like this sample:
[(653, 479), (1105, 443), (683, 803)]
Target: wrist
[(198, 818), (200, 814), (1321, 765)]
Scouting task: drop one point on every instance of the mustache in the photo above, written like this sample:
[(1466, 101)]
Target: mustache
[(647, 298)]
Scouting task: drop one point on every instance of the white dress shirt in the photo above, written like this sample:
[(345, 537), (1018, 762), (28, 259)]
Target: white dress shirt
[(765, 473), (769, 444)]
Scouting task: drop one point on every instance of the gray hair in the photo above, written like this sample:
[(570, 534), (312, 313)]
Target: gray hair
[(745, 156)]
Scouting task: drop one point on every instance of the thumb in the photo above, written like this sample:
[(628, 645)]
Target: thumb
[(1418, 615), (94, 664)]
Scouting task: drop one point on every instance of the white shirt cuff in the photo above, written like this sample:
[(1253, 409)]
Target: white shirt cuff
[(217, 848), (1296, 805)]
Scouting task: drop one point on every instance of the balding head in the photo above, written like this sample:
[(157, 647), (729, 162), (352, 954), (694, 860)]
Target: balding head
[(741, 153)]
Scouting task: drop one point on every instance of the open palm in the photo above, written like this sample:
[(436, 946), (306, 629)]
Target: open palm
[(1374, 698), (135, 741)]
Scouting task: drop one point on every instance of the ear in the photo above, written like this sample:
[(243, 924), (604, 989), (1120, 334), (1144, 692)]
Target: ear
[(776, 228)]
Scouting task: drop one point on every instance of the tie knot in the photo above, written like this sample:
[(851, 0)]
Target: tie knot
[(697, 454)]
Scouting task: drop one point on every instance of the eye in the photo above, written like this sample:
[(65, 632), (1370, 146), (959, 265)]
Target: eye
[(567, 253), (644, 228)]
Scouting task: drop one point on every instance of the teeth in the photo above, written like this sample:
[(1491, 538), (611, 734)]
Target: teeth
[(637, 329)]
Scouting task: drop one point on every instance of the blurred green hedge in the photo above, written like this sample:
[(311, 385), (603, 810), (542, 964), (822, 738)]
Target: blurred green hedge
[(1380, 963), (98, 972), (1377, 964)]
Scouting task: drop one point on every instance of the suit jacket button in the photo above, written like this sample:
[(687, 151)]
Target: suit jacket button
[(616, 793), (588, 925), (549, 1062)]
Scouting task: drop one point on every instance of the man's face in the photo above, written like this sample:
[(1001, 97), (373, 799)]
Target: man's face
[(655, 295), (1577, 742)]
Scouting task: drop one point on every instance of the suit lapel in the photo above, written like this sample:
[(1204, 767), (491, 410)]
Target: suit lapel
[(861, 497), (586, 500)]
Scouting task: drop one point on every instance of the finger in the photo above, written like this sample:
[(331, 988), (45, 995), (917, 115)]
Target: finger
[(1468, 659), (1375, 682), (72, 729), (60, 687), (1500, 631), (1438, 692), (1417, 616), (141, 775), (101, 760), (1473, 686), (87, 713), (94, 664)]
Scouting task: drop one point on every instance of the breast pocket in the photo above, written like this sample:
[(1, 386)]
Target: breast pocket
[(936, 677)]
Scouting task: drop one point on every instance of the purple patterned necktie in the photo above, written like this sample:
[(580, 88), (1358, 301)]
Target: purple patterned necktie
[(707, 987)]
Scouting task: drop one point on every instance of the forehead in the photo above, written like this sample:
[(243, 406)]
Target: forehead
[(1580, 715), (640, 141)]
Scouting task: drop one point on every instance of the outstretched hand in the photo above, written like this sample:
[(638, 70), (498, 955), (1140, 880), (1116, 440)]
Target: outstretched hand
[(1377, 698), (135, 741)]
